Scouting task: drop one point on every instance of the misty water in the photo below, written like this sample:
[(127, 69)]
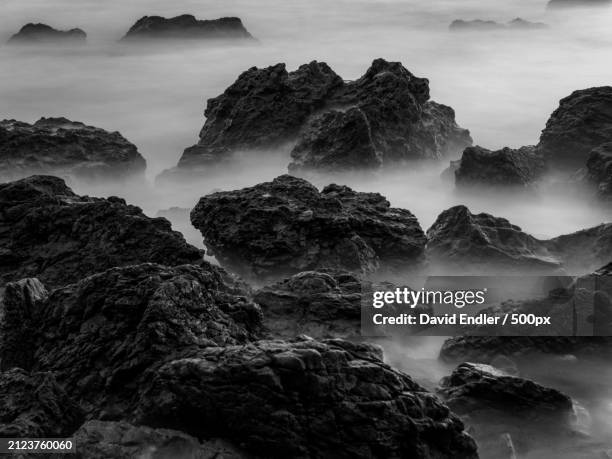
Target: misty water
[(502, 84)]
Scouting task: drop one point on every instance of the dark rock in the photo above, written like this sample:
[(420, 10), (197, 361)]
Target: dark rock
[(480, 25), (599, 170), (35, 406), (384, 116), (505, 167), (584, 251), (482, 244), (187, 26), (48, 232), (42, 33), (287, 226), (303, 399), (122, 440), (58, 146), (582, 123)]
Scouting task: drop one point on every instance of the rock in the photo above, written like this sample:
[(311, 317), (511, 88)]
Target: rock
[(286, 226), (187, 26), (505, 167), (303, 399), (100, 335), (384, 116), (42, 33), (460, 25), (582, 123), (599, 170), (35, 406), (58, 146), (482, 244), (122, 440), (49, 232)]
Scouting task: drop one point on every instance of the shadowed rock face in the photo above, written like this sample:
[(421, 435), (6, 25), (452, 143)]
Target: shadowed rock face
[(287, 226), (59, 146), (47, 231), (482, 244), (383, 116), (505, 167), (186, 26), (599, 170), (42, 33), (303, 399), (583, 251)]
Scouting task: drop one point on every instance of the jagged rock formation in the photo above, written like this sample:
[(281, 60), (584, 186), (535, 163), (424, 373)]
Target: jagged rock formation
[(460, 241), (460, 25), (58, 146), (385, 116), (346, 395), (187, 26), (49, 232), (505, 167), (287, 226), (584, 251), (599, 170), (42, 33)]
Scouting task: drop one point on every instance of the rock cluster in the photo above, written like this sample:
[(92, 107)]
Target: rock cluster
[(460, 25), (287, 226), (42, 33), (62, 147), (187, 26)]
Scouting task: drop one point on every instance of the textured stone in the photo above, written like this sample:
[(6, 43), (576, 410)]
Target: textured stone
[(42, 33), (187, 26)]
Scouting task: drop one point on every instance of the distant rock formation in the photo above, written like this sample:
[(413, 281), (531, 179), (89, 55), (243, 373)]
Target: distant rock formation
[(460, 25), (187, 26), (578, 3), (383, 117), (287, 226), (42, 33), (58, 146)]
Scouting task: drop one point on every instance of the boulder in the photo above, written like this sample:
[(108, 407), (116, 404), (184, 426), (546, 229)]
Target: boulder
[(42, 33), (122, 440), (303, 399), (505, 167), (460, 25), (187, 26), (599, 170), (582, 123), (462, 242), (287, 226), (58, 146), (49, 232), (35, 406)]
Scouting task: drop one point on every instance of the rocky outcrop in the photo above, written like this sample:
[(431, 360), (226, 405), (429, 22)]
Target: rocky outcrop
[(122, 440), (582, 123), (303, 399), (42, 33), (384, 116), (599, 170), (287, 226), (49, 232), (505, 167), (460, 25), (58, 146), (462, 242), (187, 26), (35, 406)]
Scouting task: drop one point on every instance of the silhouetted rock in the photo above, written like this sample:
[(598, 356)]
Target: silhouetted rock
[(49, 232), (287, 226), (599, 170), (58, 146), (35, 406), (122, 440), (384, 116), (303, 399), (505, 167), (482, 244), (42, 33), (187, 26), (582, 123), (480, 25)]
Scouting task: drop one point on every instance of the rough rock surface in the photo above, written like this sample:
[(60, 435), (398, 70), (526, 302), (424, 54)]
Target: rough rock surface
[(505, 167), (34, 405), (582, 123), (460, 241), (58, 146), (599, 170), (47, 231), (385, 115), (122, 440), (584, 251), (42, 33), (287, 226), (460, 25), (303, 399), (187, 26)]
